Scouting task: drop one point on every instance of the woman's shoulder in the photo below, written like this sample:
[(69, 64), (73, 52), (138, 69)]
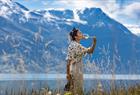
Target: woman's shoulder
[(73, 44)]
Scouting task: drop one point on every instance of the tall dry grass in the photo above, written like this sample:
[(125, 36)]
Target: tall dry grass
[(132, 90)]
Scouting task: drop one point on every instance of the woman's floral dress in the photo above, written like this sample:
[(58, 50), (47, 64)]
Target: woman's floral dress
[(75, 53)]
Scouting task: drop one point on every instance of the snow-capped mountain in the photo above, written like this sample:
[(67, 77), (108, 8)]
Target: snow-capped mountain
[(36, 41)]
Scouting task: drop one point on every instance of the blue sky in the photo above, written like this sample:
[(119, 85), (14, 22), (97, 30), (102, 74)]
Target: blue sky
[(126, 12)]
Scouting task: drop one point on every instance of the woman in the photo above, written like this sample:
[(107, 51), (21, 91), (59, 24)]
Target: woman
[(74, 62)]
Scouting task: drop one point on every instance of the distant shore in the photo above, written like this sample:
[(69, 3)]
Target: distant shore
[(63, 76)]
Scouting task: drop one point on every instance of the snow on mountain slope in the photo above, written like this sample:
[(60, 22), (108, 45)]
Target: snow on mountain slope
[(36, 41)]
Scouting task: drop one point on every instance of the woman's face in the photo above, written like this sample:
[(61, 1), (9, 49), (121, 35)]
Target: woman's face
[(79, 35)]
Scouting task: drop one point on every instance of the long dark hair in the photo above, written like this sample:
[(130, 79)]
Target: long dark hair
[(73, 33)]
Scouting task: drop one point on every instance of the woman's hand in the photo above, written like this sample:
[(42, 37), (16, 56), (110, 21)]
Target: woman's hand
[(93, 46), (69, 77), (94, 40), (72, 62)]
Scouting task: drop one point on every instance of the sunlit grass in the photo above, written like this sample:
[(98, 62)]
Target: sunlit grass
[(132, 90)]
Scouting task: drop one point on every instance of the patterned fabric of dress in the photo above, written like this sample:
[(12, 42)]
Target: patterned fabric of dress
[(75, 53)]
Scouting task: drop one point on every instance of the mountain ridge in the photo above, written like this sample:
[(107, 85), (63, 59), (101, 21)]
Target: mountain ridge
[(37, 43)]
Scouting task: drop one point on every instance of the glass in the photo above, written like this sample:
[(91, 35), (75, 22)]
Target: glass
[(86, 36)]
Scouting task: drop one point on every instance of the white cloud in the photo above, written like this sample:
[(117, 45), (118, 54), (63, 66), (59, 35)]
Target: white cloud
[(69, 4), (132, 10), (129, 15), (135, 29)]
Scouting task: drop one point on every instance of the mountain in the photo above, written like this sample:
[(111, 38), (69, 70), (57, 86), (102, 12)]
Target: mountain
[(36, 41)]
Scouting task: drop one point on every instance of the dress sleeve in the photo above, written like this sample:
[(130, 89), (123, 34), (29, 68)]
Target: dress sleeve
[(83, 49)]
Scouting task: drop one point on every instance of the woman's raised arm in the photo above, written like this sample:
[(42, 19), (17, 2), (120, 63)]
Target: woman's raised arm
[(93, 46)]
